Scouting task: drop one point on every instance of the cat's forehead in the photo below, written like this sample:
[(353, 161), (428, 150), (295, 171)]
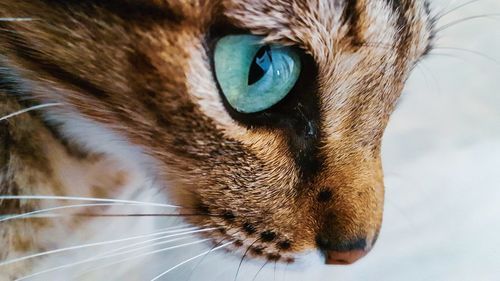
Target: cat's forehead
[(323, 27)]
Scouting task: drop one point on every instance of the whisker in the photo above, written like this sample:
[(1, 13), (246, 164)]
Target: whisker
[(243, 258), (284, 272), (94, 215), (458, 7), (447, 56), (260, 269), (190, 259), (7, 262), (47, 210), (91, 199), (138, 215), (16, 19), (484, 56), (275, 266), (156, 239), (456, 22), (422, 67), (35, 216), (444, 55), (424, 75), (145, 254), (149, 253), (118, 251), (202, 259), (25, 110)]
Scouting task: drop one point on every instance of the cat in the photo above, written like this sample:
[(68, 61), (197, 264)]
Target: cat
[(164, 101)]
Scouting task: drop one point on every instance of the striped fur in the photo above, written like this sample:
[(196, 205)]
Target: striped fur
[(139, 73)]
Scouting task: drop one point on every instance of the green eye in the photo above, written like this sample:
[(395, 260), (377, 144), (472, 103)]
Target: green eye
[(253, 76)]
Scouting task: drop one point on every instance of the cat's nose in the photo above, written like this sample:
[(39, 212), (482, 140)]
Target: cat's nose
[(344, 258), (343, 253)]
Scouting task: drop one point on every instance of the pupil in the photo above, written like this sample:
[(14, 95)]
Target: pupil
[(260, 65)]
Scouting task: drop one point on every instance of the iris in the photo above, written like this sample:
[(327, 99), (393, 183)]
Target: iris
[(254, 76)]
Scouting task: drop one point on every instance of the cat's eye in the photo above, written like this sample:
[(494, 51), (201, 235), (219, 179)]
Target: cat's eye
[(254, 76)]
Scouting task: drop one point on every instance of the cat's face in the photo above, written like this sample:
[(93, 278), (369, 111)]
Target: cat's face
[(304, 174)]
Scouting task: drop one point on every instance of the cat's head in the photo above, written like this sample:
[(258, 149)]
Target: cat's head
[(301, 171)]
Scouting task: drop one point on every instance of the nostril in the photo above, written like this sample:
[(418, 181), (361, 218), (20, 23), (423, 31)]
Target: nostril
[(325, 243), (359, 244)]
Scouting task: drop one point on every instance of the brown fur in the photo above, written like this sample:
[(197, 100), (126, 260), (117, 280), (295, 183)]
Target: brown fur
[(149, 79)]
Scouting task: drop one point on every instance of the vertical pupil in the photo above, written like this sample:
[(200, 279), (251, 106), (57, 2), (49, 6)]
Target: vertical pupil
[(260, 65)]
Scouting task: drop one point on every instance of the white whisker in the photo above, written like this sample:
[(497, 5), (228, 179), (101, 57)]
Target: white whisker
[(145, 254), (191, 259), (473, 52), (43, 216), (118, 252), (16, 19), (91, 199), (92, 245), (148, 253), (458, 7), (34, 213), (456, 22), (95, 268), (36, 107), (156, 239)]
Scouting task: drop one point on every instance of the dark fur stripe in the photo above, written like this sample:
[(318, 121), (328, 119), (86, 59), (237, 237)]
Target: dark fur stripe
[(395, 5), (350, 18), (130, 10), (44, 66), (432, 24), (399, 8)]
